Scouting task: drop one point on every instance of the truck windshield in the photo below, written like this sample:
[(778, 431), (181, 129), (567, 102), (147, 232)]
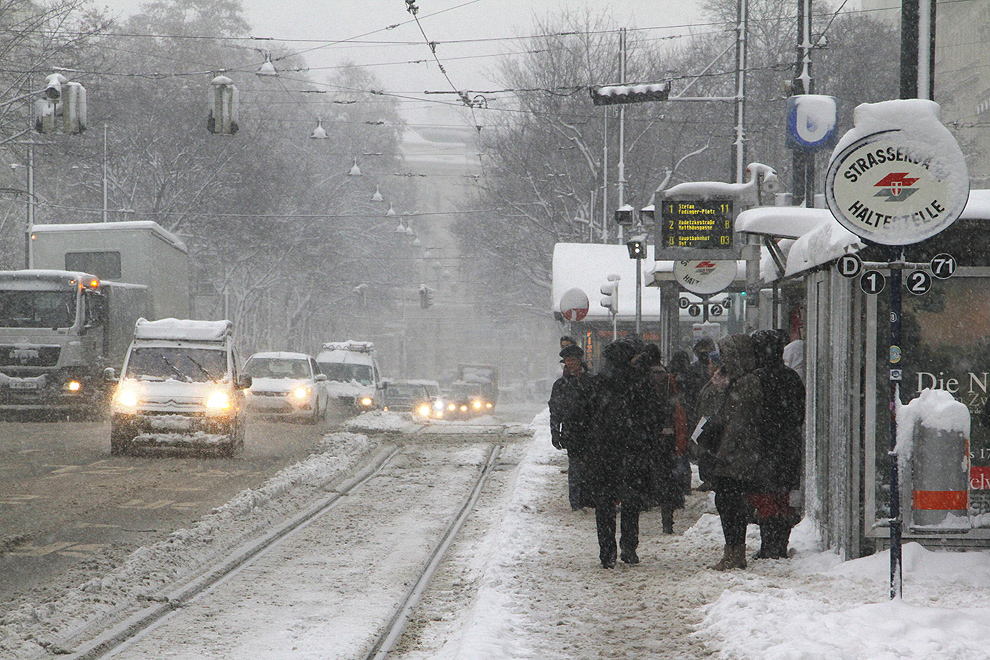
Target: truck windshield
[(37, 309), (190, 365), (400, 390), (345, 373), (259, 367)]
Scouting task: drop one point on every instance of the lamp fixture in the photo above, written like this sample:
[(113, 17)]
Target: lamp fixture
[(377, 197), (267, 69), (319, 133), (390, 213), (355, 170)]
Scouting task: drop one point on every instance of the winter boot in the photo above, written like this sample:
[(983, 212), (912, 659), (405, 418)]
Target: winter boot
[(766, 541), (667, 518), (737, 556), (723, 563), (782, 538)]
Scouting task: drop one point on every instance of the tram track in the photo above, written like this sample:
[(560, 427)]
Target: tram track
[(163, 607)]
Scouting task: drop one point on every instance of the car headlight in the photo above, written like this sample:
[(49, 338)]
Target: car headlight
[(488, 404), (218, 400), (438, 406), (464, 408), (366, 401), (72, 385), (424, 410), (301, 392), (126, 399), (477, 404), (452, 407)]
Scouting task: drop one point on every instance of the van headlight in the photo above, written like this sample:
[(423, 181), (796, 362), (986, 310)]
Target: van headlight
[(424, 410), (126, 398), (301, 392), (366, 401), (218, 401), (72, 385), (477, 404)]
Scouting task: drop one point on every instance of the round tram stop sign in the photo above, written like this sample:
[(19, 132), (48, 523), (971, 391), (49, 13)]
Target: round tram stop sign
[(574, 304), (898, 177)]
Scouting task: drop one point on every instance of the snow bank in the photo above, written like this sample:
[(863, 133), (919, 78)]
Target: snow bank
[(378, 421)]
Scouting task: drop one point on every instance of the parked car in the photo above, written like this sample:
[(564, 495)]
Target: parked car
[(286, 385)]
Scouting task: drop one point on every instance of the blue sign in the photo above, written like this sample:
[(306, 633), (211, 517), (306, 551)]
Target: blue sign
[(811, 122)]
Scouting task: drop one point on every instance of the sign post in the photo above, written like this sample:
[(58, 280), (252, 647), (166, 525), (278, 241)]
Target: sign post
[(897, 178)]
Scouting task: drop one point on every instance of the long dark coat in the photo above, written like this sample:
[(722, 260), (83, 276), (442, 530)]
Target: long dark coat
[(781, 436), (738, 454), (627, 424), (570, 408)]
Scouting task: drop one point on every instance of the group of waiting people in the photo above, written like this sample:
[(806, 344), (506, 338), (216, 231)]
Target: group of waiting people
[(624, 427)]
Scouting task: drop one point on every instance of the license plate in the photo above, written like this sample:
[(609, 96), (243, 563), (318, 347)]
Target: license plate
[(24, 385)]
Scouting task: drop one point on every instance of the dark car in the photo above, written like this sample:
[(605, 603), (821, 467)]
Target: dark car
[(403, 396), (467, 400)]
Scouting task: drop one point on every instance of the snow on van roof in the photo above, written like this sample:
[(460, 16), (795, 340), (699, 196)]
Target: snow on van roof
[(111, 226), (183, 329), (280, 355)]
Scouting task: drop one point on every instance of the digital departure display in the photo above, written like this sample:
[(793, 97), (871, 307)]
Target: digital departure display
[(698, 225)]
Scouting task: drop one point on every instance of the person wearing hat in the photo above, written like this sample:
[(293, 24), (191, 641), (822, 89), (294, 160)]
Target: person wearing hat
[(568, 404)]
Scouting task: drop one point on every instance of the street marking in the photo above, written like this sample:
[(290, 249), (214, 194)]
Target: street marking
[(41, 550), (18, 499), (82, 550)]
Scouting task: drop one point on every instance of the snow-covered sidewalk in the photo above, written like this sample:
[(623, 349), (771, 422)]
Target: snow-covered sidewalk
[(539, 592)]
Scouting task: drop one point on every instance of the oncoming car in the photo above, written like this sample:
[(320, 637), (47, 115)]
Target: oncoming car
[(286, 385), (467, 400), (411, 396)]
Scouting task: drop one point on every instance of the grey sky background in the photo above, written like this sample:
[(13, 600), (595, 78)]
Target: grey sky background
[(327, 31)]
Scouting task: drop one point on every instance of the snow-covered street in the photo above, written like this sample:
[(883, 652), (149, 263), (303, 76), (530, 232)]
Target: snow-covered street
[(522, 580)]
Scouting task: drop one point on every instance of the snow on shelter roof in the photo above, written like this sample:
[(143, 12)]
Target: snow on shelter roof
[(785, 221), (132, 225), (183, 329), (586, 266)]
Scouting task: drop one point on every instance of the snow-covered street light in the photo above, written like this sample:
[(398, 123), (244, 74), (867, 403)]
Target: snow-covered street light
[(223, 104)]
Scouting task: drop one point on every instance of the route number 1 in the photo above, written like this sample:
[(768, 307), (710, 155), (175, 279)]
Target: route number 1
[(872, 282)]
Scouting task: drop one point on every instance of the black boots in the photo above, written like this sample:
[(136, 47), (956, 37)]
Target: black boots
[(775, 534)]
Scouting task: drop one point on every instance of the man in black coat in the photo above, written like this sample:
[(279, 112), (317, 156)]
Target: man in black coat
[(626, 424), (782, 444), (569, 408)]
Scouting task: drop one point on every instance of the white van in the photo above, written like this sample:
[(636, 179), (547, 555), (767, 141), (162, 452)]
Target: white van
[(180, 386), (354, 380)]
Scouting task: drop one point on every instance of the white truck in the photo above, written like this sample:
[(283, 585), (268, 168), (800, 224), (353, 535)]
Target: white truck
[(181, 386), (71, 316), (354, 380)]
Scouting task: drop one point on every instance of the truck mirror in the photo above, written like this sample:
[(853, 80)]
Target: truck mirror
[(320, 378), (110, 375), (244, 382)]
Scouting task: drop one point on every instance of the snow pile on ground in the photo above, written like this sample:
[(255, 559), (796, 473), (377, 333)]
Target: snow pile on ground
[(378, 421), (25, 632)]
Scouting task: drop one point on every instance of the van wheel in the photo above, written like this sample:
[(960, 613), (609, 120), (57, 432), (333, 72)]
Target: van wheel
[(120, 440)]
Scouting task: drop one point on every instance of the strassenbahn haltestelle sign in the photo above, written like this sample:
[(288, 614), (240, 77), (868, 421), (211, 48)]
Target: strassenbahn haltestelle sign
[(894, 190)]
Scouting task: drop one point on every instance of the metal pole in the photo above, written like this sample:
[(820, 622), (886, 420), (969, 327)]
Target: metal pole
[(639, 296), (104, 172), (896, 574), (739, 150), (30, 205), (622, 127), (605, 178), (804, 161)]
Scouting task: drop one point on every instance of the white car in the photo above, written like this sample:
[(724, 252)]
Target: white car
[(286, 384)]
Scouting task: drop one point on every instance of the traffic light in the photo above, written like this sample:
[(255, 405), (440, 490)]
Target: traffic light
[(610, 294), (425, 296), (617, 94), (637, 248)]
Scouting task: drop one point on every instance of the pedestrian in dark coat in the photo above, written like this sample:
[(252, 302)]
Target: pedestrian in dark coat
[(782, 444), (570, 400), (669, 486), (738, 455), (626, 425)]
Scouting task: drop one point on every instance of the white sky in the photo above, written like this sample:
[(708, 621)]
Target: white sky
[(308, 24)]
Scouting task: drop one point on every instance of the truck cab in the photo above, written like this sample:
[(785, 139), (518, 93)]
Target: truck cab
[(181, 386)]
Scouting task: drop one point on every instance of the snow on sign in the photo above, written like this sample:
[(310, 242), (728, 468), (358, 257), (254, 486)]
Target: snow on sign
[(706, 276), (811, 121), (574, 304), (898, 177)]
